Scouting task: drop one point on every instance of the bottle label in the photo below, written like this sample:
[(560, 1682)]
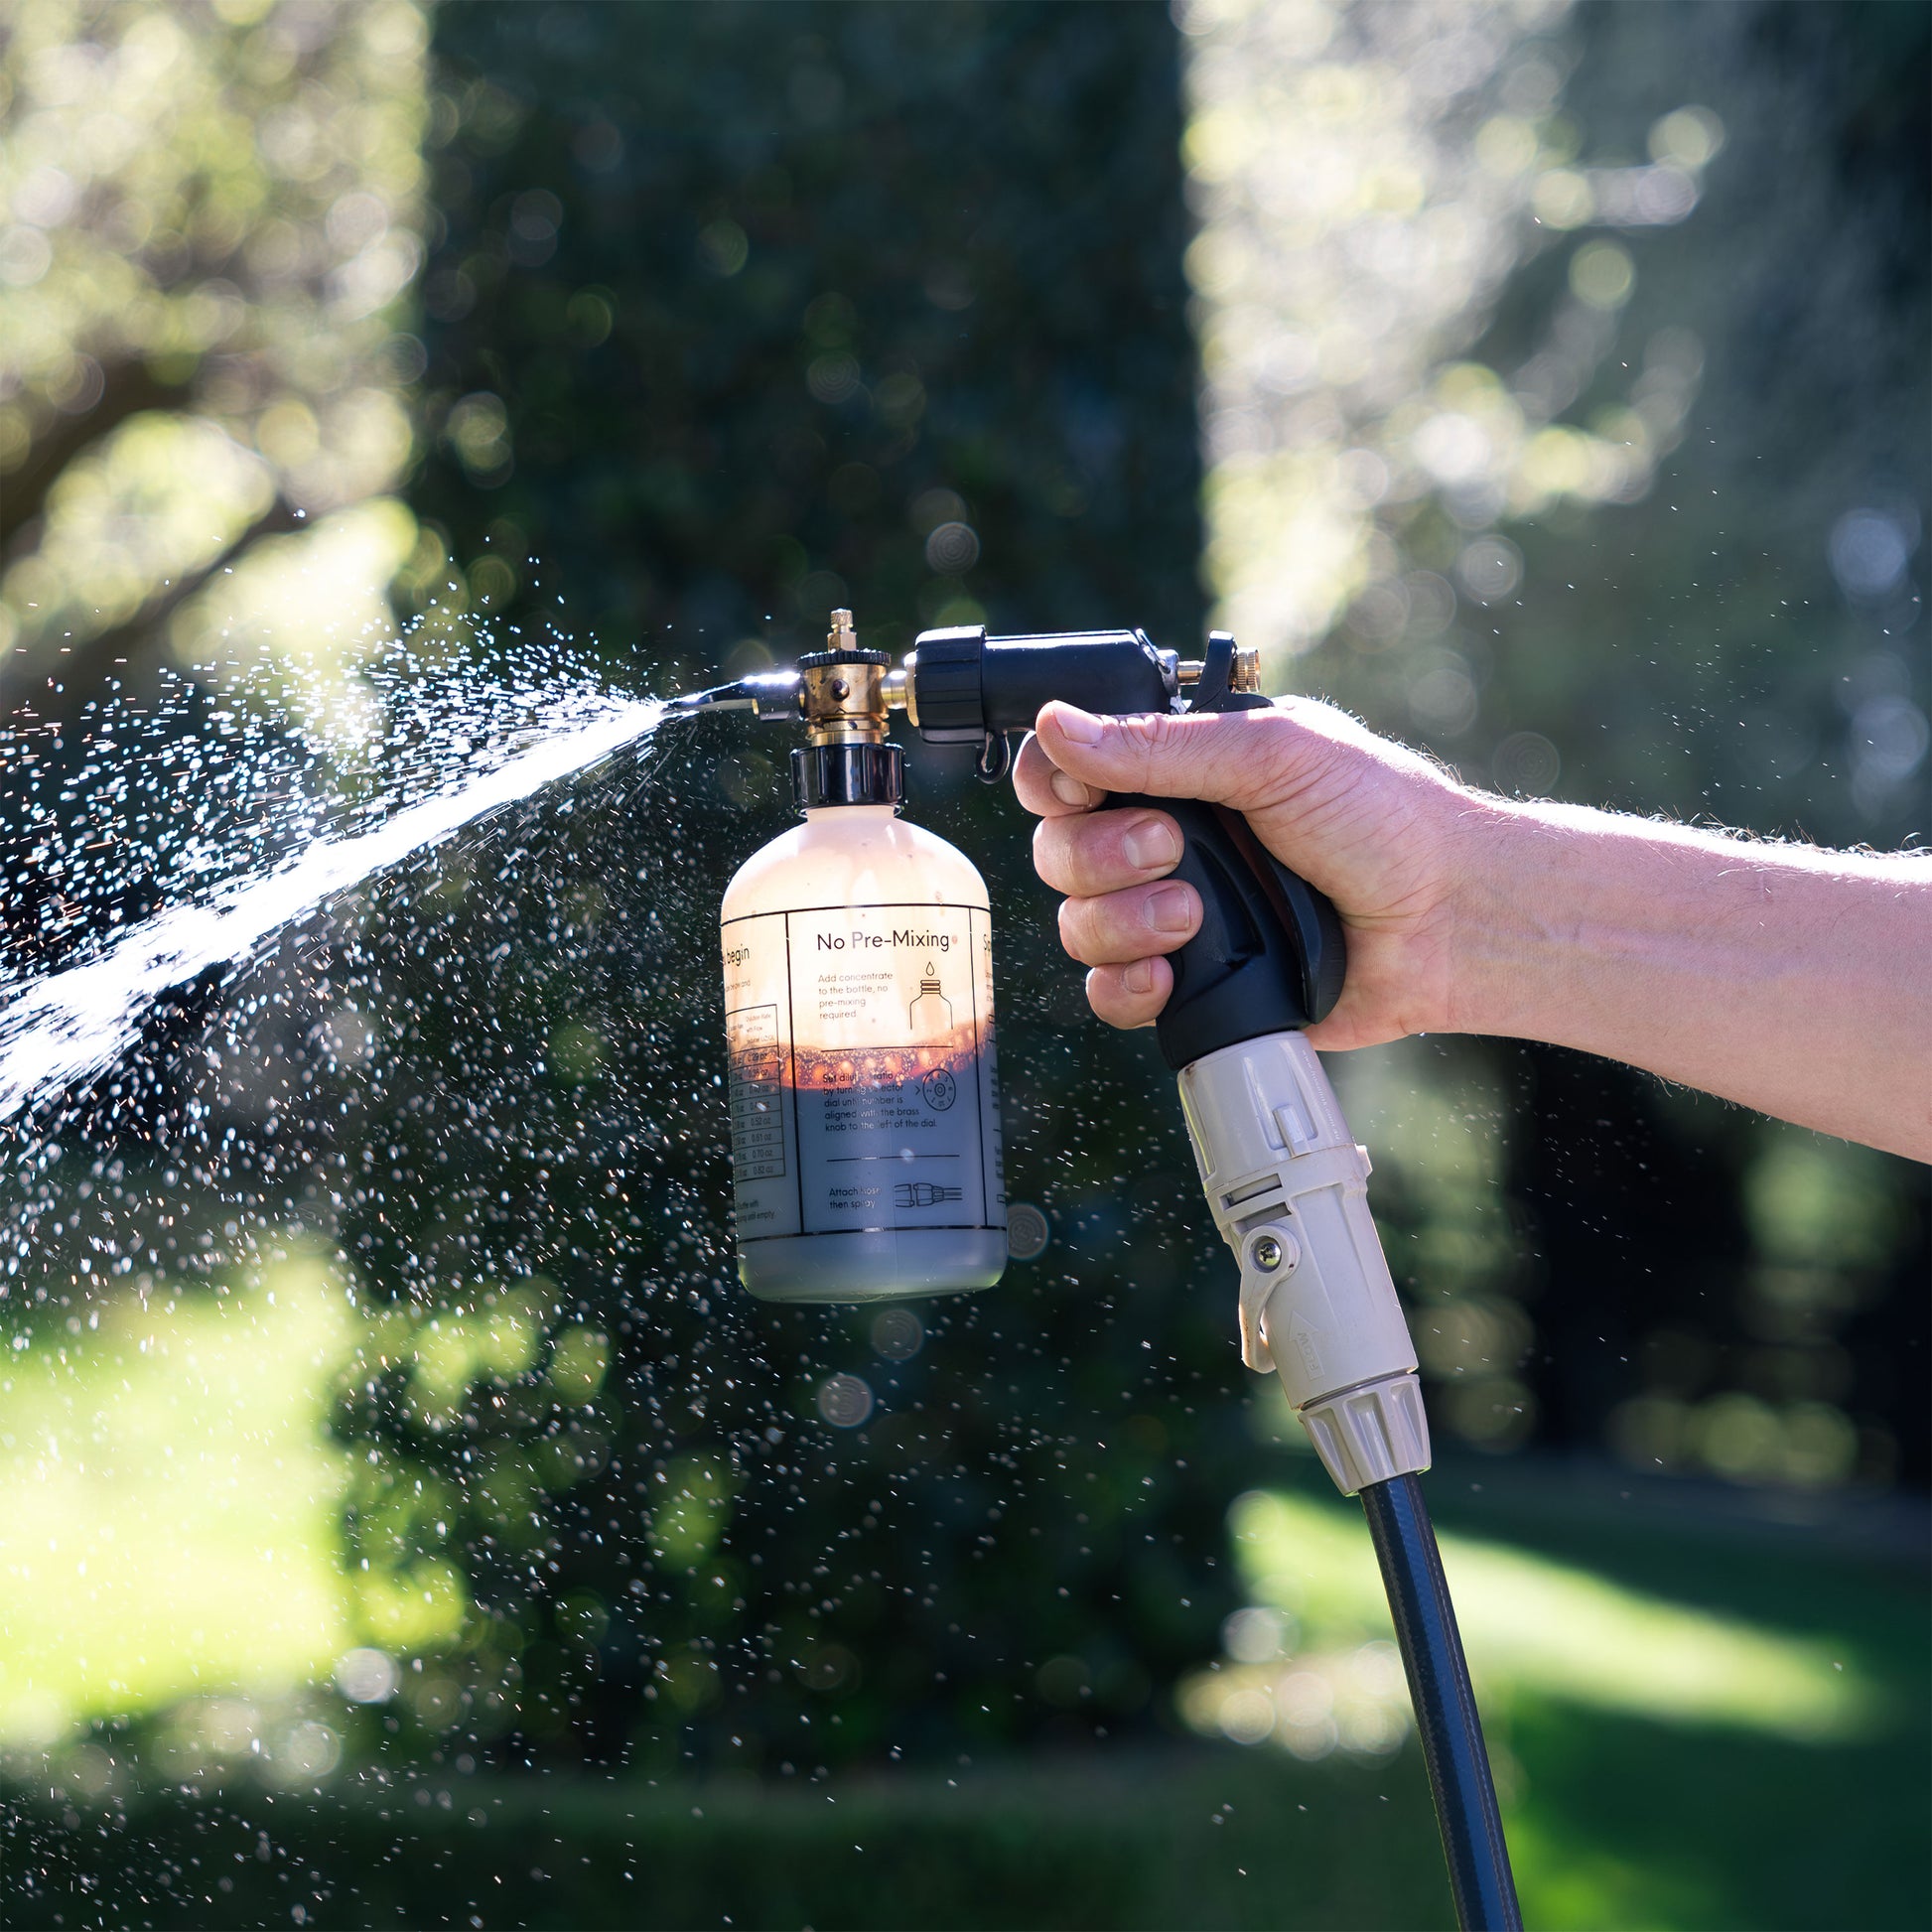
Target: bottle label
[(864, 1091)]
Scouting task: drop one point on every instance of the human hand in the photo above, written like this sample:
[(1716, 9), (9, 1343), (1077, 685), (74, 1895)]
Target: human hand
[(1380, 830)]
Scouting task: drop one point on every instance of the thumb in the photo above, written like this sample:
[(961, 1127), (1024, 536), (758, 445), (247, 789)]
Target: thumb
[(1226, 757)]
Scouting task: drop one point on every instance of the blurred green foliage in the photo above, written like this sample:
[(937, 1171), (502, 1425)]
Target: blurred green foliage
[(1625, 1817), (764, 298), (213, 211)]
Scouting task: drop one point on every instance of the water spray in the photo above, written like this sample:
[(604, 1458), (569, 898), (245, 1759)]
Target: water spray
[(865, 1099)]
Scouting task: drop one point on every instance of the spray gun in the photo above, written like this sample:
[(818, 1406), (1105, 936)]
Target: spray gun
[(863, 1173), (1285, 1181)]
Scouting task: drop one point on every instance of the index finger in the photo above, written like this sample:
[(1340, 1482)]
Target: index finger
[(1044, 789)]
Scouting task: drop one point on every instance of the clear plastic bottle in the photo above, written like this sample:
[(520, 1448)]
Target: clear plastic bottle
[(859, 1009)]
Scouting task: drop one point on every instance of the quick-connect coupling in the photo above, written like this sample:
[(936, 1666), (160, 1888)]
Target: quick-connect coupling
[(1289, 1191)]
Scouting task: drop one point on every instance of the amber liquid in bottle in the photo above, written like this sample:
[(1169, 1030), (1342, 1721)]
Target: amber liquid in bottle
[(864, 1094)]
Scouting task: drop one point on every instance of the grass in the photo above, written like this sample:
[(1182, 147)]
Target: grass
[(169, 1503), (1697, 1725), (1201, 1838)]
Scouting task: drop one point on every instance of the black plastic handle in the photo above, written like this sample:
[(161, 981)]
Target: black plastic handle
[(1270, 955)]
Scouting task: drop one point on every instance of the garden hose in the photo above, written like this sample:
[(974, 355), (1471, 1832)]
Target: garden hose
[(1445, 1709)]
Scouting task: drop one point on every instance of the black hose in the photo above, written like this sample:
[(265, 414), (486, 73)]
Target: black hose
[(1445, 1707)]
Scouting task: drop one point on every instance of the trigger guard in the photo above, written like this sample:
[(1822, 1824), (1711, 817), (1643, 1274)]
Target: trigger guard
[(995, 758)]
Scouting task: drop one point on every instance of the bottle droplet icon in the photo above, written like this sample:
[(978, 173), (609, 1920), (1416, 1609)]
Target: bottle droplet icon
[(931, 1012)]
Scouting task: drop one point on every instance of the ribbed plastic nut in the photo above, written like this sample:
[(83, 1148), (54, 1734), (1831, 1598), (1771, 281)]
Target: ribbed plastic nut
[(814, 660), (1369, 1434)]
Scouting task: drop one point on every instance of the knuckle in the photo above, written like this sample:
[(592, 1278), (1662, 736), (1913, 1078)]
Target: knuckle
[(1116, 999), (1033, 776), (1157, 738), (1291, 749), (1050, 855), (1075, 927), (1104, 996), (1100, 997), (1079, 852), (1092, 928)]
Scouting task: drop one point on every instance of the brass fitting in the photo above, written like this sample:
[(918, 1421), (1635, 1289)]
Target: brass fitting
[(843, 689), (1244, 674)]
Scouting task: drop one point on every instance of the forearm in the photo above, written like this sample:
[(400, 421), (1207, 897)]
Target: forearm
[(1795, 981), (1798, 982)]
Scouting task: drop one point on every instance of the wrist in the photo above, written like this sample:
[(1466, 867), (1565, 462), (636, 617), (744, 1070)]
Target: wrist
[(1516, 865), (1590, 929)]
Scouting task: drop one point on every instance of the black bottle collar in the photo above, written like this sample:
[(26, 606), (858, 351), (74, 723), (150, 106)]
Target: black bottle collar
[(857, 774)]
